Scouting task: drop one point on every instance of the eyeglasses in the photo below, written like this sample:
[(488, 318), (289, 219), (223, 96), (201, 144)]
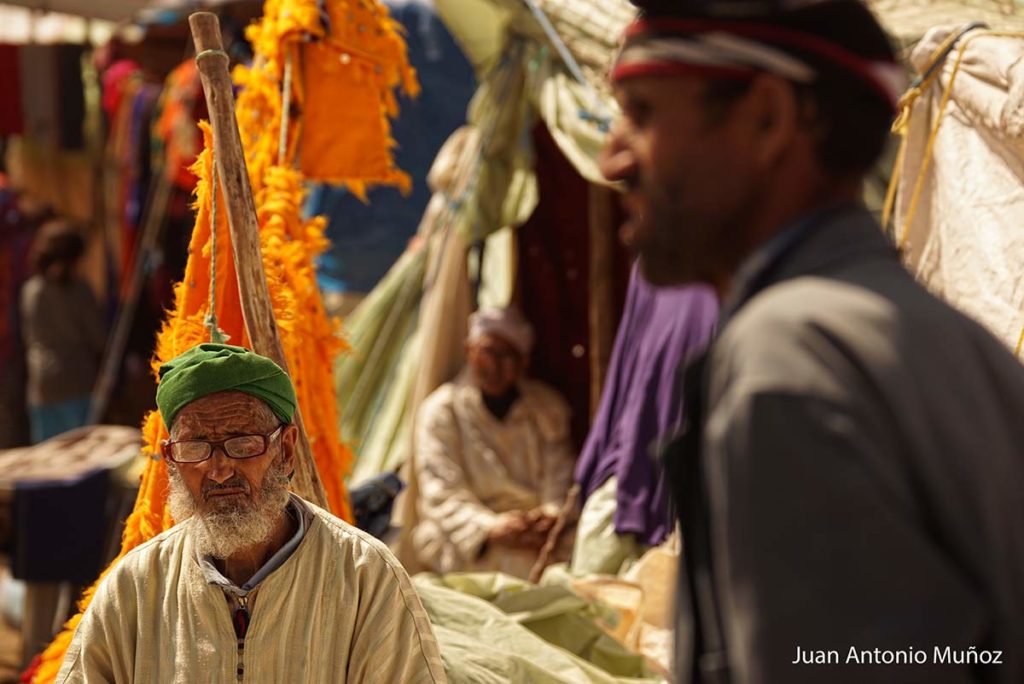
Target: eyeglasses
[(239, 447)]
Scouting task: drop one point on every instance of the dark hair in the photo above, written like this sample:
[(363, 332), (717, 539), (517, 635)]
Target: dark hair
[(58, 243), (852, 117), (853, 121)]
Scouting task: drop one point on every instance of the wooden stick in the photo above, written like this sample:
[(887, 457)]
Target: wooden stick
[(257, 311), (113, 356), (556, 531), (602, 309)]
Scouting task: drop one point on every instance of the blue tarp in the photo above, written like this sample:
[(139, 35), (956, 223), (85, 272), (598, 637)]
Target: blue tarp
[(367, 239)]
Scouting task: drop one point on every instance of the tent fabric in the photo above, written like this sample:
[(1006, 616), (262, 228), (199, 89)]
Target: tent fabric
[(590, 29), (964, 240), (909, 20), (480, 178), (111, 10), (492, 185), (496, 628)]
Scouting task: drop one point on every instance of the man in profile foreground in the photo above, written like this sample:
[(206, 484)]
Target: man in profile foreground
[(850, 476)]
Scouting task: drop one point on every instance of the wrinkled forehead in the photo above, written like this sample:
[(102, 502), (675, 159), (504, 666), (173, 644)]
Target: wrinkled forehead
[(228, 412)]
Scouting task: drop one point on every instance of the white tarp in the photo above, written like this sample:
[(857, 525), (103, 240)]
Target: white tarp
[(110, 10), (965, 241), (908, 20), (50, 21), (20, 25)]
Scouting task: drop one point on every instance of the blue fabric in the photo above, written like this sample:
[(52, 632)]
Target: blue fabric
[(51, 420), (367, 239), (60, 528), (373, 501)]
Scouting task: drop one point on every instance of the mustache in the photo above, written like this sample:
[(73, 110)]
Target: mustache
[(236, 482)]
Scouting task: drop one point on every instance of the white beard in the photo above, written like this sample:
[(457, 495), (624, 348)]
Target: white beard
[(230, 527)]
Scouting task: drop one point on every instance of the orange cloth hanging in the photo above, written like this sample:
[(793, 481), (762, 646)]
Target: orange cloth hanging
[(181, 105), (344, 73)]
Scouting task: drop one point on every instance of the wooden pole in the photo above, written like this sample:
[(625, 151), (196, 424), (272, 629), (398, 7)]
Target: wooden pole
[(602, 311), (257, 311), (551, 543), (113, 356)]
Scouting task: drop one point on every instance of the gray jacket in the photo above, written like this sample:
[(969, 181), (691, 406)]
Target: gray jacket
[(854, 478), (63, 333)]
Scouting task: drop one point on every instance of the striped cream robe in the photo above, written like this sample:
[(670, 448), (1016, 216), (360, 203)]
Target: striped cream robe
[(473, 469), (339, 609)]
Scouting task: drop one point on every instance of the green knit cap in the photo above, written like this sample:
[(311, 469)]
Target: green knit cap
[(211, 367)]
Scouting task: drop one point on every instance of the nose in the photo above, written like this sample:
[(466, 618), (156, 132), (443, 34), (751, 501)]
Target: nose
[(220, 468), (617, 161)]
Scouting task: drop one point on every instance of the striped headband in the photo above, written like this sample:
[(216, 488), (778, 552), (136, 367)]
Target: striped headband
[(729, 49)]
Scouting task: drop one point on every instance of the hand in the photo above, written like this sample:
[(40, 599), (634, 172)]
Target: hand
[(508, 529), (540, 521)]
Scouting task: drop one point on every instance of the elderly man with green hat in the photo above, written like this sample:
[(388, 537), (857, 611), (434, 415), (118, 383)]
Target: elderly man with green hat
[(254, 583)]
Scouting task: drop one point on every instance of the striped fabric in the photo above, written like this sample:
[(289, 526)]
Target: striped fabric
[(740, 50), (340, 609)]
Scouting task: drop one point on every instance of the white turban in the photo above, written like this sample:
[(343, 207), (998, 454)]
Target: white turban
[(508, 324)]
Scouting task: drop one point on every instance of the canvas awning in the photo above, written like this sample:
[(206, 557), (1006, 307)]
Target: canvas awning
[(114, 11), (909, 20)]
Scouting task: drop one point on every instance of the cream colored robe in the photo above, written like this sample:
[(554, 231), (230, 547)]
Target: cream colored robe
[(340, 609), (472, 468)]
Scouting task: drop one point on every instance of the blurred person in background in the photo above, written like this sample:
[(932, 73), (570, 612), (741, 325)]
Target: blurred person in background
[(493, 457), (62, 330), (20, 217)]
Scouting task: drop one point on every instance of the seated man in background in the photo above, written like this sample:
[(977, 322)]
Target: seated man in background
[(493, 456)]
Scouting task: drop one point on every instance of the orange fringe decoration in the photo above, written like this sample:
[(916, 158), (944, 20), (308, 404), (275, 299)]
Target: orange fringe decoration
[(343, 83), (288, 243)]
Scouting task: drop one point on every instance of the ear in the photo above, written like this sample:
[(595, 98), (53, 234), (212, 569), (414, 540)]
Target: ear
[(773, 116), (289, 445)]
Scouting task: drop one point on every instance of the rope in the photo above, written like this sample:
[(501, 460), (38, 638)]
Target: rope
[(210, 322), (212, 53), (286, 99), (599, 116), (216, 334), (894, 183), (933, 135), (902, 124)]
